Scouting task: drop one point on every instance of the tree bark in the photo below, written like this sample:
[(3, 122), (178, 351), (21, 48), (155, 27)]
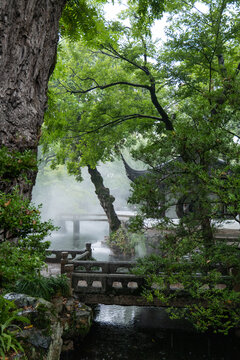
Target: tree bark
[(106, 200), (28, 45)]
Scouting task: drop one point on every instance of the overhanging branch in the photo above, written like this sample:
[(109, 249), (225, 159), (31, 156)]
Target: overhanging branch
[(115, 123), (102, 87)]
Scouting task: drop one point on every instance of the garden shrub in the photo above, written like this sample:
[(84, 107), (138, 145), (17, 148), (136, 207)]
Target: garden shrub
[(40, 286), (10, 322), (22, 234)]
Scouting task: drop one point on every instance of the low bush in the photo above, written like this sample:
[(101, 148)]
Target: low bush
[(10, 321), (124, 241), (22, 234), (46, 288)]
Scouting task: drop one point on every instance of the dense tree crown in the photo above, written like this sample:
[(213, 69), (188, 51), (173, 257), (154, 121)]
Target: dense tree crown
[(176, 106)]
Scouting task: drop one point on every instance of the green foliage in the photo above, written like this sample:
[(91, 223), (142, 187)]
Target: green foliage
[(81, 19), (84, 19), (124, 241), (77, 123), (203, 270), (9, 328), (46, 288), (15, 163), (142, 14), (183, 100), (20, 219), (23, 249), (185, 270), (17, 262)]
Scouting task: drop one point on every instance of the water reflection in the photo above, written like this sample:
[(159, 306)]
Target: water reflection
[(115, 315), (138, 333), (147, 333)]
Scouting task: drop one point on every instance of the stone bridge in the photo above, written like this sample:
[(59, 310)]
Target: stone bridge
[(101, 282), (112, 283), (76, 219)]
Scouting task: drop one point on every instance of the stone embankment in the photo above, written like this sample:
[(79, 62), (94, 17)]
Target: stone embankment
[(55, 325)]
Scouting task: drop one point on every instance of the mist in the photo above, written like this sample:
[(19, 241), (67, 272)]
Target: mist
[(59, 193), (61, 196)]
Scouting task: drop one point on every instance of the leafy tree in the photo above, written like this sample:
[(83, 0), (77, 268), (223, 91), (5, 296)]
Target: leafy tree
[(68, 120), (85, 125), (183, 99), (200, 168), (29, 43)]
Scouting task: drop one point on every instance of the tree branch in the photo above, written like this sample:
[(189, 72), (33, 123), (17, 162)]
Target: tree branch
[(102, 87), (115, 123), (113, 51)]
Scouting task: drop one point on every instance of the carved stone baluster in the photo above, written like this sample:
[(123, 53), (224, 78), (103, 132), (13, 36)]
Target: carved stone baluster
[(68, 270), (64, 260), (89, 249)]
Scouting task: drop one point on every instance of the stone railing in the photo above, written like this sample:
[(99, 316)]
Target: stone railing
[(71, 254), (113, 283), (100, 277)]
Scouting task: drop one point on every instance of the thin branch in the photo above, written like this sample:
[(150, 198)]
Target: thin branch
[(143, 68), (84, 79), (109, 55), (102, 87), (200, 12), (232, 133), (116, 122)]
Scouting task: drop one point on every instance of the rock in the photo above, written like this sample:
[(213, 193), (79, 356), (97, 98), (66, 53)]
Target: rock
[(58, 303), (76, 319), (22, 300), (68, 345), (36, 338), (55, 348), (64, 319), (44, 339), (70, 305)]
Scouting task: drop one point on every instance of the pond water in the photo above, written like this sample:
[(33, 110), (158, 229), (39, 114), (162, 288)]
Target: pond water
[(146, 333), (139, 333)]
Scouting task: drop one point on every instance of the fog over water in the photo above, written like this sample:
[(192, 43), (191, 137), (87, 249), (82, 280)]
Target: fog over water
[(62, 196), (119, 332), (60, 193)]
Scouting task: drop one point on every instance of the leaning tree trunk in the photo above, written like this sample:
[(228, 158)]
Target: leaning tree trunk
[(106, 200), (28, 45)]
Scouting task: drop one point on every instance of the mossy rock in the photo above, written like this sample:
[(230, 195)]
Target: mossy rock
[(42, 340), (76, 320)]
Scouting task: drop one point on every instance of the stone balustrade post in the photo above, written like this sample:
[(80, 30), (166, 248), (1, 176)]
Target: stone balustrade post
[(68, 270), (89, 248), (64, 261)]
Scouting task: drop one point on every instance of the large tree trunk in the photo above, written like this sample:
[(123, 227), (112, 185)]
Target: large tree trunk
[(29, 36), (106, 200)]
